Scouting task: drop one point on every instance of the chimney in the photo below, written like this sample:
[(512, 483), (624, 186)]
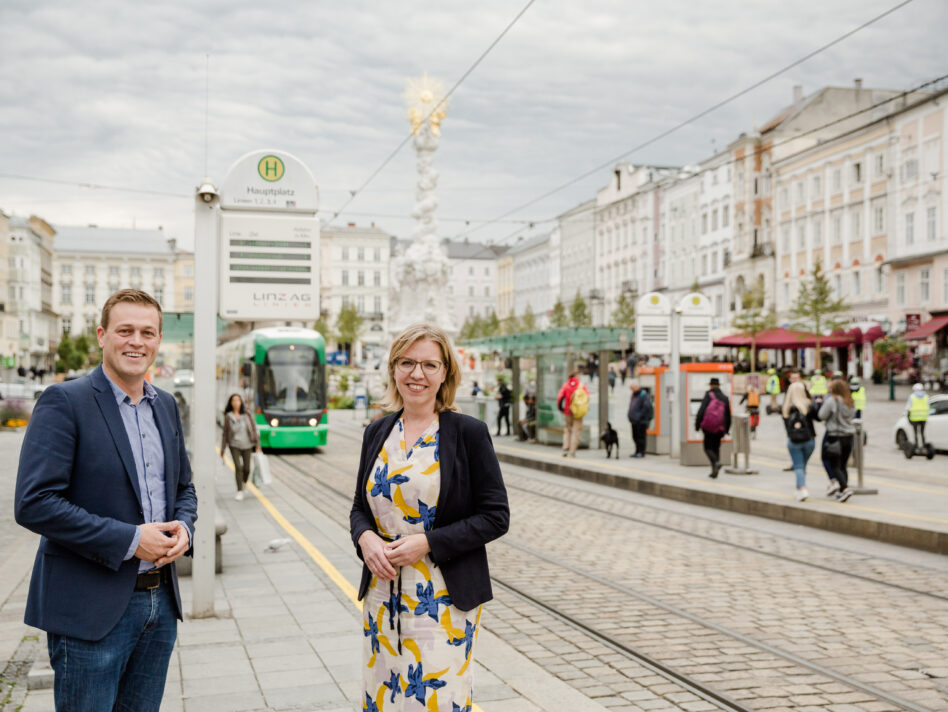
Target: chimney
[(857, 83), (797, 93)]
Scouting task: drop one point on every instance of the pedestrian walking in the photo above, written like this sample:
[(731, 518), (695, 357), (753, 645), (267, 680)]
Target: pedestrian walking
[(612, 380), (801, 434), (240, 435), (918, 408), (837, 412), (623, 370), (503, 398), (476, 389), (752, 399), (573, 402), (105, 480), (714, 421), (640, 415), (425, 576)]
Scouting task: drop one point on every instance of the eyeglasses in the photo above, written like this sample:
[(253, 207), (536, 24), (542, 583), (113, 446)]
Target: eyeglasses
[(429, 368)]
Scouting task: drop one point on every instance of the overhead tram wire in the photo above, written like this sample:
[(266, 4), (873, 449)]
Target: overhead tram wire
[(355, 193), (697, 116), (776, 144)]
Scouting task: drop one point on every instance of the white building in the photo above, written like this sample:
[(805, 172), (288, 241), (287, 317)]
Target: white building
[(30, 290), (715, 208), (92, 262), (577, 256), (533, 283), (354, 270), (474, 279), (680, 215), (9, 324)]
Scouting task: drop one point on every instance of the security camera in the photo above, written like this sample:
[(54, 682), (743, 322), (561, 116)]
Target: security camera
[(207, 191)]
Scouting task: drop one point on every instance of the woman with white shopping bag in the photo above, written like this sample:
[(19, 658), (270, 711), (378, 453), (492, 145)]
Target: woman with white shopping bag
[(240, 435)]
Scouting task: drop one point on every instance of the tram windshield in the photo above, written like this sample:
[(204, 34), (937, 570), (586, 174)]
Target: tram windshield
[(291, 379)]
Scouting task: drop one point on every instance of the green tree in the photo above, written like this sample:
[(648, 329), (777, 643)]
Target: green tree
[(623, 316), (348, 326), (87, 347), (323, 326), (754, 318), (558, 317), (815, 309), (67, 355), (578, 312), (491, 325), (528, 322)]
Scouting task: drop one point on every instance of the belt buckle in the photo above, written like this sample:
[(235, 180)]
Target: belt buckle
[(156, 577)]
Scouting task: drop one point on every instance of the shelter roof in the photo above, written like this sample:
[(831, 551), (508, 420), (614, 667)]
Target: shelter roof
[(561, 340)]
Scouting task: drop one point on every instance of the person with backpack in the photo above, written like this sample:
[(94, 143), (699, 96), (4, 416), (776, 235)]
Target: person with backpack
[(640, 415), (714, 420), (573, 403), (801, 434), (752, 398)]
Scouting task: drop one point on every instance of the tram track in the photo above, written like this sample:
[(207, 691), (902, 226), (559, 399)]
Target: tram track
[(523, 570)]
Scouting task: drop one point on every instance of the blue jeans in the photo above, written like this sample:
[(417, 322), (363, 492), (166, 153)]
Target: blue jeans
[(800, 453), (124, 671)]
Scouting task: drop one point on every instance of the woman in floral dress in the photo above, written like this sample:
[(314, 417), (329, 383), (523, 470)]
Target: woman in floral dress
[(429, 496)]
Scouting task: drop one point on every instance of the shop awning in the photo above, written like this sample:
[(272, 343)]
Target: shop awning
[(927, 329), (786, 339)]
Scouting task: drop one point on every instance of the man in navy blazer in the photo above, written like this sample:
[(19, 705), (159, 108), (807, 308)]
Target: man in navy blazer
[(104, 478)]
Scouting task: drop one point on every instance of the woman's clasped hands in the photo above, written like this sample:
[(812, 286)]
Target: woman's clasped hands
[(382, 557)]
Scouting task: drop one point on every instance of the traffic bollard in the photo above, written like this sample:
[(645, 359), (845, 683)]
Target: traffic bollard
[(740, 445), (858, 460)]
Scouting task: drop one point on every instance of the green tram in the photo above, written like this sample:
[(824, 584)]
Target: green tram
[(281, 374)]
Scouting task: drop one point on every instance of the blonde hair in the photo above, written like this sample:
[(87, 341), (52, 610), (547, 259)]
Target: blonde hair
[(796, 398), (444, 400)]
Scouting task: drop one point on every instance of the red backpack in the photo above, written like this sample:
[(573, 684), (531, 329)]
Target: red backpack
[(713, 420)]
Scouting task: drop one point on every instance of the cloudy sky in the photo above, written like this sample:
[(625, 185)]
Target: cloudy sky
[(112, 93)]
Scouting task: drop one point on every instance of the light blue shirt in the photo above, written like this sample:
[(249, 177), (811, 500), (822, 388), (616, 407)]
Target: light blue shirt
[(145, 441)]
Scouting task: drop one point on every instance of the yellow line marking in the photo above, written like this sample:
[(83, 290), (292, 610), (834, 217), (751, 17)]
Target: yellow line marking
[(315, 554), (723, 485)]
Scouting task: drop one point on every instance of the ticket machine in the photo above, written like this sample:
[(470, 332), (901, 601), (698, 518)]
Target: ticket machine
[(693, 384), (658, 436)]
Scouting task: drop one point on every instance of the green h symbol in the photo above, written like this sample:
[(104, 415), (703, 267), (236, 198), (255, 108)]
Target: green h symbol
[(270, 167)]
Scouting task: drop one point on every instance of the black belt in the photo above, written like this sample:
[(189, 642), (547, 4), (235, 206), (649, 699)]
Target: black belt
[(150, 580)]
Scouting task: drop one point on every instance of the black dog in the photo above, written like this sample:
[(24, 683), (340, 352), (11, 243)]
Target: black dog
[(610, 438)]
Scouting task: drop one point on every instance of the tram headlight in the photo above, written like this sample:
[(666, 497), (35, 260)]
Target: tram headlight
[(274, 422), (313, 422)]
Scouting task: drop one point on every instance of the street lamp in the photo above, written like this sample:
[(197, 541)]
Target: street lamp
[(886, 326)]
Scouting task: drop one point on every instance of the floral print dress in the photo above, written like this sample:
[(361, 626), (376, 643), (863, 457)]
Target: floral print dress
[(418, 648)]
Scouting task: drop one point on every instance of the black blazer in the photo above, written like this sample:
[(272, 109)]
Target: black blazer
[(472, 507)]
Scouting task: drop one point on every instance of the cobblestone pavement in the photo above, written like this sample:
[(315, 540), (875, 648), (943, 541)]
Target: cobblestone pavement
[(678, 588)]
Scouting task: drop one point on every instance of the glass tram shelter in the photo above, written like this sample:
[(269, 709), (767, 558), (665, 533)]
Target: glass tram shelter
[(557, 352)]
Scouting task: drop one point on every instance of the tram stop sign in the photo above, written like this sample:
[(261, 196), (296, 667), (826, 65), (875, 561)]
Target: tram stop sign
[(694, 325), (653, 324)]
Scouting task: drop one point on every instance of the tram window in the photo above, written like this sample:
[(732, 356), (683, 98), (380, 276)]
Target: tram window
[(291, 379)]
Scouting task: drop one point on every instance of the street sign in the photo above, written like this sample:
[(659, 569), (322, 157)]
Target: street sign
[(694, 325), (653, 324)]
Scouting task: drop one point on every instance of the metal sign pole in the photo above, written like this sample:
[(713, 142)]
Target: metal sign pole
[(203, 459), (679, 410)]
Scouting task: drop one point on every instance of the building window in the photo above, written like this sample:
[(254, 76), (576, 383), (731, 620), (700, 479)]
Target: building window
[(932, 227), (188, 271), (714, 262), (724, 217), (67, 324), (786, 293), (785, 239), (837, 221), (714, 219), (345, 253), (801, 192), (376, 279), (486, 291), (67, 269), (159, 295), (856, 224), (857, 172), (704, 223), (879, 164), (857, 283), (377, 304), (360, 278), (880, 281), (67, 294), (188, 294), (470, 291), (837, 286), (878, 219), (944, 285), (470, 268), (801, 236), (924, 285), (900, 289), (360, 304), (159, 272), (114, 271), (784, 198), (910, 170), (818, 231), (817, 187), (90, 271), (345, 301), (377, 255), (360, 254), (909, 228), (135, 271), (345, 278), (487, 271), (837, 180), (704, 265), (90, 295)]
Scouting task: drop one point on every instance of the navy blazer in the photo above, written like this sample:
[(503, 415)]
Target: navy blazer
[(472, 506), (78, 488)]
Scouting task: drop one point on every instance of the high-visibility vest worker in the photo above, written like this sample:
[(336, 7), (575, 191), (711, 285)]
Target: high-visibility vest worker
[(918, 407), (859, 398), (818, 385), (773, 384)]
